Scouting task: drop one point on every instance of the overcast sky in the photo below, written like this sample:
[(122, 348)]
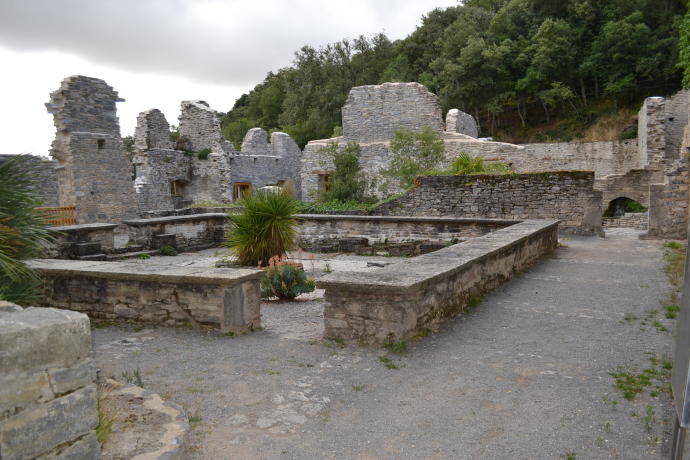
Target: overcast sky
[(156, 53)]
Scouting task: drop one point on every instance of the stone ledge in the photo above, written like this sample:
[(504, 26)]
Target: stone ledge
[(127, 271), (460, 220), (432, 266), (172, 219), (83, 227)]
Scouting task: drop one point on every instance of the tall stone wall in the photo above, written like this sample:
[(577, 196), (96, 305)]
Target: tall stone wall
[(568, 196), (155, 170), (201, 125), (373, 113), (152, 131), (210, 179), (47, 391), (676, 119), (45, 177), (94, 174), (651, 132)]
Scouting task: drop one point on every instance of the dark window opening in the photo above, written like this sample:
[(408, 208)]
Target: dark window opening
[(177, 188), (101, 144), (324, 182), (242, 190)]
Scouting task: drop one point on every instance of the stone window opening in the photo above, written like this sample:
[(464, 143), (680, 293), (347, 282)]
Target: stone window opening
[(619, 206), (177, 188), (101, 144), (242, 190), (324, 182), (280, 183)]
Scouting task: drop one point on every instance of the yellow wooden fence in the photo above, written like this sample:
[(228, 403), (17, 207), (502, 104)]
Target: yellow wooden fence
[(59, 215)]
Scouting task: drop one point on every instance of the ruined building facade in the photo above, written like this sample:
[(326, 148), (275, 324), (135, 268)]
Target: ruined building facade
[(92, 169)]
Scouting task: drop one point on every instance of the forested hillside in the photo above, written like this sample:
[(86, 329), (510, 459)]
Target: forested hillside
[(528, 70)]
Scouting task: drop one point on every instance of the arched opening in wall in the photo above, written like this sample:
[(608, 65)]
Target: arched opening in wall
[(619, 206)]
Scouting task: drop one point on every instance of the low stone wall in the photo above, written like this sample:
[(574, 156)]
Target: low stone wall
[(69, 237), (223, 297), (638, 220), (47, 390), (191, 232), (396, 302), (393, 229), (568, 196)]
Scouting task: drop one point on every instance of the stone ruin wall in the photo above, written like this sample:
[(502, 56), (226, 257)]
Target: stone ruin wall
[(373, 113), (262, 163), (93, 171), (568, 196), (47, 391), (200, 124), (462, 123), (44, 175)]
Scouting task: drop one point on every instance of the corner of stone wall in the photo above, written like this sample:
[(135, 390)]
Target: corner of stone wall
[(48, 402)]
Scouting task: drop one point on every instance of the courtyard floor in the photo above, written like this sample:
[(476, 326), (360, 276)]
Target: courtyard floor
[(524, 375)]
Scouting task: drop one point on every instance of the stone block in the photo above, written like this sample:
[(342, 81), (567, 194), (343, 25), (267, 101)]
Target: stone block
[(21, 391), (86, 447), (38, 431), (42, 338), (68, 379)]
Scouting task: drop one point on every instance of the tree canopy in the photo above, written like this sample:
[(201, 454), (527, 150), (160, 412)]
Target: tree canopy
[(507, 62)]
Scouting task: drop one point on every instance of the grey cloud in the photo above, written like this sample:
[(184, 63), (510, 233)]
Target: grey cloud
[(228, 42)]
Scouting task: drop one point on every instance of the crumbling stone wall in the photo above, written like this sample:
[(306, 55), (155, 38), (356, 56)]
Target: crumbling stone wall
[(44, 175), (636, 220), (373, 113), (155, 170), (651, 132), (152, 131), (200, 124), (210, 179), (94, 174), (262, 163), (676, 119), (461, 123), (568, 196), (47, 390), (634, 185)]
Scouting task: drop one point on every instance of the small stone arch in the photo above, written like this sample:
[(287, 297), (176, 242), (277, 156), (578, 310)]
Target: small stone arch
[(620, 205)]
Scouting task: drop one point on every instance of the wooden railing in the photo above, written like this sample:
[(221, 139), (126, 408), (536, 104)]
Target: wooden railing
[(59, 215)]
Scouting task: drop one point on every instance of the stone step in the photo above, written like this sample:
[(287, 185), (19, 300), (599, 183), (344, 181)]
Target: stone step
[(131, 255), (86, 249)]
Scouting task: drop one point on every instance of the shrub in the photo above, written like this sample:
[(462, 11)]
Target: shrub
[(467, 164), (23, 233), (203, 154), (168, 250), (347, 180), (285, 280), (265, 228), (414, 153)]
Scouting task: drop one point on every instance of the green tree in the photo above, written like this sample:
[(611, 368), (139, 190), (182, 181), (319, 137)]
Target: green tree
[(684, 61), (414, 153), (23, 233), (347, 181)]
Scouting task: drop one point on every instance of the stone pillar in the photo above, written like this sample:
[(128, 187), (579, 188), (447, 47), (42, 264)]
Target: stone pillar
[(462, 123), (152, 131), (94, 174), (651, 132)]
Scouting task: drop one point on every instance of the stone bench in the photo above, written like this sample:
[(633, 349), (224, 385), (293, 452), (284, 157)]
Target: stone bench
[(225, 298)]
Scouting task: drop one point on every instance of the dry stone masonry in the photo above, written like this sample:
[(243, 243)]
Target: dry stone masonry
[(93, 171), (200, 124), (461, 123), (568, 196), (47, 389)]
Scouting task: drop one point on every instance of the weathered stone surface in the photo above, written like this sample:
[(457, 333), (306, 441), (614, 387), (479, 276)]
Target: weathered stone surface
[(37, 431), (86, 447), (152, 131), (42, 338), (373, 113), (201, 125), (395, 302), (194, 231), (21, 390), (64, 380), (226, 298), (94, 173), (462, 123), (568, 196)]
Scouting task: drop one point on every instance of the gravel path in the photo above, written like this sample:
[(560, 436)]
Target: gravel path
[(524, 375)]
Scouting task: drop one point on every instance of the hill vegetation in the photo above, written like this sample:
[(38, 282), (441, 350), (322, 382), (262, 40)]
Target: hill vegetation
[(528, 70)]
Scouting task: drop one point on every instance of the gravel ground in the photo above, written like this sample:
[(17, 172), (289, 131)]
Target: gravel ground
[(524, 375)]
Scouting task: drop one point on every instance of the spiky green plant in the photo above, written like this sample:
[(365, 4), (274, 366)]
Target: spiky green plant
[(285, 280), (266, 228), (23, 232)]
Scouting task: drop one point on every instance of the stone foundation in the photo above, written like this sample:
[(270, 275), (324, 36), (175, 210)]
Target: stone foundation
[(47, 390), (192, 232), (397, 302), (224, 298), (637, 220)]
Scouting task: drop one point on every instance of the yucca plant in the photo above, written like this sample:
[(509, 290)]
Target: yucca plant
[(285, 280), (266, 228), (23, 232)]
